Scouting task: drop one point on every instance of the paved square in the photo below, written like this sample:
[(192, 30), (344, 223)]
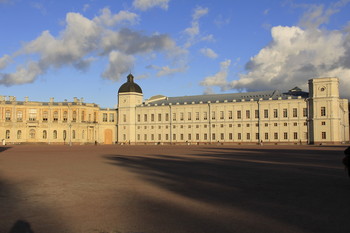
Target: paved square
[(158, 189)]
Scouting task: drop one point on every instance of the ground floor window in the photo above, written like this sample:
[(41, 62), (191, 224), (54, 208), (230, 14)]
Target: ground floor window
[(44, 134), (324, 135), (19, 134), (32, 133), (7, 134)]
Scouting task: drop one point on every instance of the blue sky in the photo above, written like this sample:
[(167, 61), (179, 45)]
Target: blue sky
[(86, 48)]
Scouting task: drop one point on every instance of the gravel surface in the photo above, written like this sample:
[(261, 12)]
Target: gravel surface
[(160, 189)]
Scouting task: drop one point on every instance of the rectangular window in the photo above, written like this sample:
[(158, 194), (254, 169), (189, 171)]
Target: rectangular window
[(145, 117), (266, 136), (275, 136), (32, 114), (189, 116), (222, 136), (8, 115), (239, 114), (124, 117), (285, 113), (247, 114), (323, 123), (256, 113), (275, 113), (152, 117), (159, 137), (285, 135), (324, 135), (181, 116), (152, 137), (205, 136), (189, 137), (213, 136), (266, 113), (239, 136), (111, 117), (197, 116), (159, 117), (181, 137), (230, 136), (295, 112), (104, 117), (229, 114), (167, 117), (213, 115), (174, 136), (166, 137), (174, 116), (248, 136), (205, 116), (295, 134), (138, 137), (257, 136), (221, 115), (145, 137), (304, 112), (323, 111), (197, 136), (20, 116)]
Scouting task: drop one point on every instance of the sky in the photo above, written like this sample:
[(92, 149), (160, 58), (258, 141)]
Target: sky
[(86, 48)]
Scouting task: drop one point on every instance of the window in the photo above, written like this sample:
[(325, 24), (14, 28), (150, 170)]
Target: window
[(167, 117), (83, 134), (19, 115), (323, 123), (323, 111), (95, 117), (152, 117), (275, 113), (181, 116), (74, 116), (275, 136), (189, 137), (295, 112), (82, 115), (181, 137), (230, 136), (19, 134), (248, 125), (55, 116), (295, 134), (145, 137), (197, 116), (197, 136), (89, 117), (266, 136), (324, 135), (152, 137), (213, 136), (239, 114), (159, 117), (138, 137), (256, 113), (257, 137), (65, 116), (285, 135), (64, 135), (111, 117), (167, 137), (247, 114), (275, 124), (7, 136), (205, 116), (105, 116), (222, 136), (248, 136), (174, 116), (285, 112), (205, 136), (55, 134), (145, 117), (229, 114), (189, 116), (266, 113), (221, 115), (213, 115), (44, 134), (159, 137), (239, 125), (73, 134), (285, 124), (304, 112), (8, 115), (239, 136), (124, 117)]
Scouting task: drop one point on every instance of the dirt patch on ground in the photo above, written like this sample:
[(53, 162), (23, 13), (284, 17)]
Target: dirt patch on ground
[(173, 189)]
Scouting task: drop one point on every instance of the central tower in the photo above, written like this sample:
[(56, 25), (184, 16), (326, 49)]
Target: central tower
[(129, 96)]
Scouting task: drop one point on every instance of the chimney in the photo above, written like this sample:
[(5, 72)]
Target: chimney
[(52, 100)]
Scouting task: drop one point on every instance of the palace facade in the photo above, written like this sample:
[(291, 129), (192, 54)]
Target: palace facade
[(274, 117)]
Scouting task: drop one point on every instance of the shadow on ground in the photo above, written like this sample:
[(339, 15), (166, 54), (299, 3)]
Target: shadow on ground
[(305, 188)]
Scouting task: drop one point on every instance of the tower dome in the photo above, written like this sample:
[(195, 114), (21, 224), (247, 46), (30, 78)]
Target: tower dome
[(130, 86)]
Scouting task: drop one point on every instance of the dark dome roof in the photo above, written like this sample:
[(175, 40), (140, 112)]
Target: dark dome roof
[(130, 86)]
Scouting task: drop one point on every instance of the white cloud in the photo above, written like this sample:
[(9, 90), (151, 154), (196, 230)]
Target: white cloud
[(119, 63), (166, 70), (220, 78), (86, 7), (147, 4), (208, 53), (193, 31), (5, 61), (106, 18), (83, 41)]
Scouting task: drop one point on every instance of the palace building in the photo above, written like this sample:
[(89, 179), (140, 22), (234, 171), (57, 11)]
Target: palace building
[(272, 117)]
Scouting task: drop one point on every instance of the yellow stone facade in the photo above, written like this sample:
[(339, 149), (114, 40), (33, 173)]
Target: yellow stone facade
[(268, 117)]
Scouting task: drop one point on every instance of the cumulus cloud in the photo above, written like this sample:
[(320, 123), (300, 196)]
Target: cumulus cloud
[(147, 4), (295, 55), (220, 78), (4, 61), (85, 40), (208, 53), (194, 31)]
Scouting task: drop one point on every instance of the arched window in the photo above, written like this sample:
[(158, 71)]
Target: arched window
[(32, 133), (73, 134), (83, 134), (7, 134), (19, 134), (44, 134), (64, 135), (55, 134)]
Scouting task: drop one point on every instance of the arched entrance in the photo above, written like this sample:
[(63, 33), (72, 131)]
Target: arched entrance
[(108, 136)]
